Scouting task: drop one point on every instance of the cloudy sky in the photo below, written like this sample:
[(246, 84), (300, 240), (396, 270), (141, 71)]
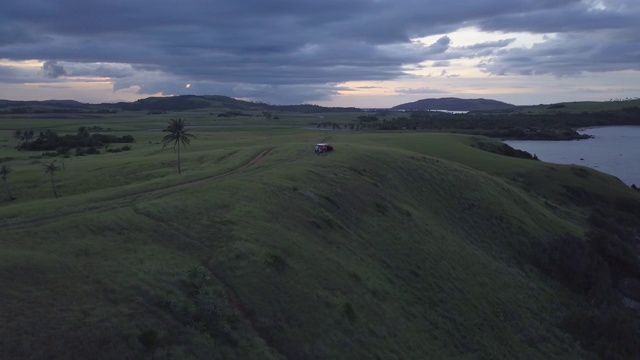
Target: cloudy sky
[(365, 53)]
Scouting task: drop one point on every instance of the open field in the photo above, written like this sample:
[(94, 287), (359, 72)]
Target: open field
[(396, 245)]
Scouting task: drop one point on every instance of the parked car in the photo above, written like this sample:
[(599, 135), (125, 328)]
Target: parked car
[(323, 148)]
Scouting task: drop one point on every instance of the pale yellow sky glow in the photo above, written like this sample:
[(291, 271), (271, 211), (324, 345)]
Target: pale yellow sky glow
[(470, 36), (23, 64), (452, 79)]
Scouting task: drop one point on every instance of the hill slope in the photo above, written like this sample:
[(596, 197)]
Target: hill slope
[(454, 104), (398, 245)]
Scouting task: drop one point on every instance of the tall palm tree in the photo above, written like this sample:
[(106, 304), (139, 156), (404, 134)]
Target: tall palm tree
[(84, 135), (51, 169), (17, 134), (177, 136), (4, 171)]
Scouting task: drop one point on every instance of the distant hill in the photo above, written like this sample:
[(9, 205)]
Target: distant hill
[(50, 103), (165, 103), (189, 102), (454, 104)]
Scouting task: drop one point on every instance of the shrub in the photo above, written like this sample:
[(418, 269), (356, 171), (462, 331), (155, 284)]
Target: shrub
[(149, 339), (196, 278), (620, 256), (609, 332), (350, 312), (207, 307), (381, 208), (573, 262), (63, 150), (277, 262), (601, 219)]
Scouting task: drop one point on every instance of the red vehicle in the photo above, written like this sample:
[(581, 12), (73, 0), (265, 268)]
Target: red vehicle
[(323, 148)]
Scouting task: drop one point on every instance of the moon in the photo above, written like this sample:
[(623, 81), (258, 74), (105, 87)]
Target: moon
[(187, 86)]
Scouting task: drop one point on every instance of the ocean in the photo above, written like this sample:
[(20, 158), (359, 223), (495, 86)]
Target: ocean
[(614, 150)]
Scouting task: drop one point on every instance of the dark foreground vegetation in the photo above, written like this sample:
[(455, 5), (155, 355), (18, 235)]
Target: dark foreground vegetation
[(398, 244), (603, 269)]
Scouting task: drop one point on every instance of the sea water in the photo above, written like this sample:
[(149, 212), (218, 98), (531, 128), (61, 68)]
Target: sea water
[(614, 150)]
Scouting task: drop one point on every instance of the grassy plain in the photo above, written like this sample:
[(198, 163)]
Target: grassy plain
[(396, 245)]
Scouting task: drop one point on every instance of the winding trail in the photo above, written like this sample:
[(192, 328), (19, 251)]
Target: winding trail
[(128, 200), (131, 201)]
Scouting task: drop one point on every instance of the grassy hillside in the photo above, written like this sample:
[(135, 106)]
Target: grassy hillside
[(403, 245)]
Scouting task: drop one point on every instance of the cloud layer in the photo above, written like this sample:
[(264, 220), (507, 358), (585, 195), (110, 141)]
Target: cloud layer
[(290, 51)]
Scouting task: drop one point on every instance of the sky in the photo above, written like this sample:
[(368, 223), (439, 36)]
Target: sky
[(363, 53)]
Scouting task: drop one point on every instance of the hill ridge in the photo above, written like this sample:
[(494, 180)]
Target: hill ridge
[(173, 103), (454, 104)]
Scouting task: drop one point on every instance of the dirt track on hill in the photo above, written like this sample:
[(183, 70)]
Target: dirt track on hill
[(129, 200)]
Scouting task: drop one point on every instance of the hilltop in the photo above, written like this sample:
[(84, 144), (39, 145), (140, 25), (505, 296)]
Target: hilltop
[(454, 104)]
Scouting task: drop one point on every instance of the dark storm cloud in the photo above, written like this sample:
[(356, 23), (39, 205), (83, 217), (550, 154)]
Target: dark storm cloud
[(590, 36), (10, 74), (572, 54), (53, 70), (285, 46)]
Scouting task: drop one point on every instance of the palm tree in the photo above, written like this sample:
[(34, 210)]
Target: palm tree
[(51, 169), (84, 135), (17, 134), (4, 171), (177, 136)]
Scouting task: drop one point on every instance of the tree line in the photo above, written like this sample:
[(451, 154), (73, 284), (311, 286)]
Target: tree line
[(49, 140), (560, 125)]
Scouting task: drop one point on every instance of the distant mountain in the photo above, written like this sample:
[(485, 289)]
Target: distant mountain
[(68, 103), (165, 103), (189, 102), (454, 104)]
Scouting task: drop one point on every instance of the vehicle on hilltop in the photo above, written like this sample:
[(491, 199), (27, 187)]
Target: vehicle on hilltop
[(323, 148)]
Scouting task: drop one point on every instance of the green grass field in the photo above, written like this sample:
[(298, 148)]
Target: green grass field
[(394, 246)]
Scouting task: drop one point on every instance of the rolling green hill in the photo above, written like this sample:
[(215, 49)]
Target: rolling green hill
[(396, 245)]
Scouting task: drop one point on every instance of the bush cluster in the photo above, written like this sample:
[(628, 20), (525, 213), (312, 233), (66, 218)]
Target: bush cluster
[(84, 142), (593, 267), (204, 306)]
